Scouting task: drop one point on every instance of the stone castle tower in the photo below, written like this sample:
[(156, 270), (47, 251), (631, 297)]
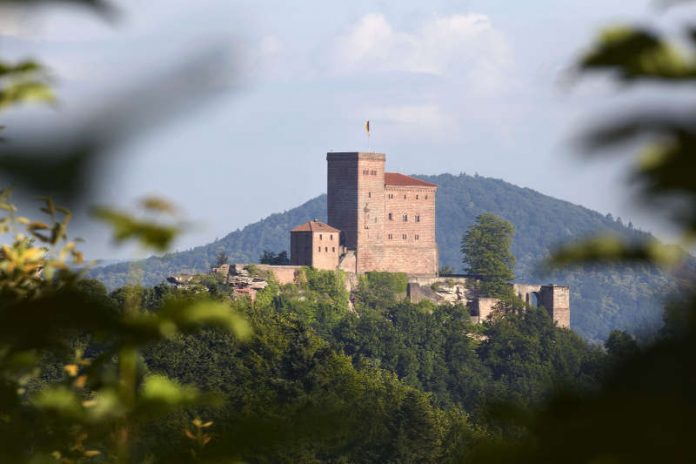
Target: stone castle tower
[(386, 220)]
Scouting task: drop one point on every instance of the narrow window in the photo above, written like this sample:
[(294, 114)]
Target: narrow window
[(391, 236), (417, 237), (369, 194), (333, 249), (331, 237), (405, 218), (426, 197), (417, 196), (417, 218), (321, 236), (326, 249), (319, 250), (404, 197), (404, 236), (391, 217)]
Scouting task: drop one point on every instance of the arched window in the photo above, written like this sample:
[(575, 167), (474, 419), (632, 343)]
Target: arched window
[(405, 217)]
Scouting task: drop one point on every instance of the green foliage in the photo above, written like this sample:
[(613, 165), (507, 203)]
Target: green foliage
[(486, 249), (381, 289), (603, 298), (642, 411), (23, 82), (149, 232), (269, 257)]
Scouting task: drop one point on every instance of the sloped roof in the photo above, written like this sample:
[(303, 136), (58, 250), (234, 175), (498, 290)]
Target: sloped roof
[(315, 226), (394, 178)]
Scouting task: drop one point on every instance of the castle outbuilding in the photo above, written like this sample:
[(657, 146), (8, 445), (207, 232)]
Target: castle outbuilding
[(315, 244)]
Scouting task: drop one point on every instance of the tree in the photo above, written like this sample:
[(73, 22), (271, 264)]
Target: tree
[(269, 257), (487, 255), (221, 258)]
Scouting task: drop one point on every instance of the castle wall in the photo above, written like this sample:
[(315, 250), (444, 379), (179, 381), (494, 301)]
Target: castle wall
[(325, 251), (342, 196), (556, 299), (409, 233), (301, 248), (371, 215)]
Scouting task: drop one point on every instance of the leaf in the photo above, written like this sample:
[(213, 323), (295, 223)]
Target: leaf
[(126, 227), (613, 249)]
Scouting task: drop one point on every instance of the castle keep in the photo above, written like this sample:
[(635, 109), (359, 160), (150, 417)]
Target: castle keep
[(377, 221)]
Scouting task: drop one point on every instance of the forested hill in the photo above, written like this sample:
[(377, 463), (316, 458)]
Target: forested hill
[(602, 299)]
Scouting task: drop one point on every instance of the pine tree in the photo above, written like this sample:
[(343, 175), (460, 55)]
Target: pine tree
[(487, 255)]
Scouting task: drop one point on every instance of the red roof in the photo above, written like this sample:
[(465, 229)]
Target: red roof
[(394, 178), (315, 226)]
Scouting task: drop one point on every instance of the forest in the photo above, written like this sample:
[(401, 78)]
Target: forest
[(307, 373)]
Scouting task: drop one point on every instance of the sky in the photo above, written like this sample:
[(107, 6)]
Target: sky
[(449, 86)]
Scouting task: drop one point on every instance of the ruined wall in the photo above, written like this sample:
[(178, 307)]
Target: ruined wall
[(530, 294), (483, 308), (282, 274), (556, 299)]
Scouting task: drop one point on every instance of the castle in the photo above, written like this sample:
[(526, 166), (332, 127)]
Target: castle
[(381, 222), (385, 222), (377, 221)]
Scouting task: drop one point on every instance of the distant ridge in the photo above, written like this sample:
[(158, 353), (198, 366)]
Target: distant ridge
[(602, 299)]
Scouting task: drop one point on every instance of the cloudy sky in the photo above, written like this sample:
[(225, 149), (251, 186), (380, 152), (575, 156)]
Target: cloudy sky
[(476, 86)]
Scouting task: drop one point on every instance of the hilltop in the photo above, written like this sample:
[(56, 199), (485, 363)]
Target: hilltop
[(601, 299)]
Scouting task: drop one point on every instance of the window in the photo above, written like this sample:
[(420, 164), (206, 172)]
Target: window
[(331, 237), (404, 236), (390, 236), (374, 173), (417, 237), (417, 218), (333, 249), (369, 194), (391, 196), (319, 250), (391, 217), (326, 249), (417, 197), (321, 236), (405, 196), (426, 197), (405, 217)]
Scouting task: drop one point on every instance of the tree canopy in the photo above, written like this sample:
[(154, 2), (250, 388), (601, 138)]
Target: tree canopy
[(487, 254)]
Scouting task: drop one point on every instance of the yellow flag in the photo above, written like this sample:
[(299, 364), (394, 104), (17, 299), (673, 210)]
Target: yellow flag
[(367, 127)]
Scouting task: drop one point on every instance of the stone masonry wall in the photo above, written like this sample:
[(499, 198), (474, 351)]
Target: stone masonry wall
[(342, 195), (371, 217), (301, 248), (325, 250), (409, 233)]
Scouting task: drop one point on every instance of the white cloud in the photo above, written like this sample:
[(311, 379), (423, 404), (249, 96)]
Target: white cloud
[(430, 118), (461, 45)]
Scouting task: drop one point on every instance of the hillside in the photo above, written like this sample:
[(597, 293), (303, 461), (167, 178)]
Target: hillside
[(602, 299)]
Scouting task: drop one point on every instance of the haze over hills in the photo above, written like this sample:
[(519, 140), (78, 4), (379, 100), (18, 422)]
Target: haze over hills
[(602, 299)]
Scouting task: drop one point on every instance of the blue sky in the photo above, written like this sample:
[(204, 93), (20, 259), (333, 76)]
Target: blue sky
[(450, 86)]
